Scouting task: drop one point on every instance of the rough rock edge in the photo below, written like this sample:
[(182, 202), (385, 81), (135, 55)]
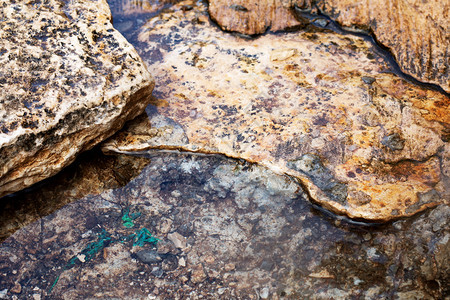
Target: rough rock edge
[(13, 175)]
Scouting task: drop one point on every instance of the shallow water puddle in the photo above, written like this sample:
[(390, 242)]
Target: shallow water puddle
[(225, 229)]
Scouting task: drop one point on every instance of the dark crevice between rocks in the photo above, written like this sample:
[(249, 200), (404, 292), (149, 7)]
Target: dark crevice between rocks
[(369, 36), (360, 223)]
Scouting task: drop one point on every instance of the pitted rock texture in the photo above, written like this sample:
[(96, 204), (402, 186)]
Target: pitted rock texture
[(417, 32), (68, 80), (318, 106)]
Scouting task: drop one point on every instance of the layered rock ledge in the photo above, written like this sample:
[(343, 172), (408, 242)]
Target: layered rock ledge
[(321, 107), (68, 80), (417, 32)]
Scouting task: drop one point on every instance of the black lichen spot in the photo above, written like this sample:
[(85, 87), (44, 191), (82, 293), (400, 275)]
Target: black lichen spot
[(95, 36), (393, 142), (368, 80), (320, 120), (187, 7), (238, 7), (29, 124), (351, 175), (37, 83), (4, 128)]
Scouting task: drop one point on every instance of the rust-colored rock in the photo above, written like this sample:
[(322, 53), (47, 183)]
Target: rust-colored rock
[(68, 80), (318, 106), (417, 32), (254, 17)]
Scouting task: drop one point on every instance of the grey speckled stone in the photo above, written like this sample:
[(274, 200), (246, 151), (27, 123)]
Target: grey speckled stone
[(68, 80)]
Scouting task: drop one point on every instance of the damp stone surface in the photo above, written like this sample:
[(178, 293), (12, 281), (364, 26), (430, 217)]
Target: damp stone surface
[(216, 228), (322, 107), (416, 32), (90, 174)]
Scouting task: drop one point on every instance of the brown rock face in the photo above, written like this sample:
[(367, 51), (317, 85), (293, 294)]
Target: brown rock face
[(318, 106), (68, 80), (253, 17), (417, 32)]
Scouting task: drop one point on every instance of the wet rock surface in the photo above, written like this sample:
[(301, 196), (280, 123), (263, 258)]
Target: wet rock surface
[(90, 174), (207, 226), (68, 80), (415, 31), (313, 104), (226, 229), (128, 15)]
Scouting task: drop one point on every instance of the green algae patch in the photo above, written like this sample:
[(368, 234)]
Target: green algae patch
[(143, 236), (128, 218), (89, 252), (140, 238)]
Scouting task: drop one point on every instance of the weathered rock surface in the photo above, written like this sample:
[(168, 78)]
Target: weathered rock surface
[(417, 32), (318, 106), (68, 80), (241, 232)]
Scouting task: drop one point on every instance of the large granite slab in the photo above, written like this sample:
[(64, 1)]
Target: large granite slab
[(416, 32), (68, 80), (319, 106)]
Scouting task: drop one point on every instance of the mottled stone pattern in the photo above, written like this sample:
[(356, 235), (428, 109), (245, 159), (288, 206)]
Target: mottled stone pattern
[(316, 105), (68, 80), (227, 230), (417, 32)]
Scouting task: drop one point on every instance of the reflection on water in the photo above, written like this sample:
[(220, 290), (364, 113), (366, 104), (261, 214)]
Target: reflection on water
[(129, 15), (226, 229)]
